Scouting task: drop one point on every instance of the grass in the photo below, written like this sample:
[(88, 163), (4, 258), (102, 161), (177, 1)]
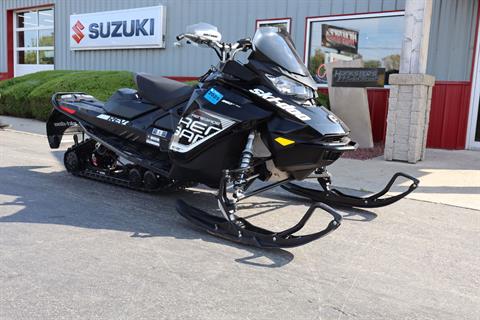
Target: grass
[(29, 96)]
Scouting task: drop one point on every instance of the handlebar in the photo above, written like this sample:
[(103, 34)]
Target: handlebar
[(225, 51)]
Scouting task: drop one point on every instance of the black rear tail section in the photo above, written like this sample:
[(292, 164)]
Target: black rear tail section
[(57, 124), (63, 116)]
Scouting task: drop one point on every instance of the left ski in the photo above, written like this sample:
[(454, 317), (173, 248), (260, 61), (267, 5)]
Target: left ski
[(241, 231)]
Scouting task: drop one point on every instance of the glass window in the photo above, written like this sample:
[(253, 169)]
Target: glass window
[(376, 39), (45, 18), (46, 38), (27, 57), (27, 39), (27, 19), (35, 37), (45, 56), (280, 23)]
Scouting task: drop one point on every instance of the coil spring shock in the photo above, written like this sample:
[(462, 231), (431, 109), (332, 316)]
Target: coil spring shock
[(245, 162)]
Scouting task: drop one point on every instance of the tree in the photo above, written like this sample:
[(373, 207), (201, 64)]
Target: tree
[(392, 62), (372, 64), (316, 61)]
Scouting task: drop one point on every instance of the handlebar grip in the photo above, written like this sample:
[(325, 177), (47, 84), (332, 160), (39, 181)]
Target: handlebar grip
[(180, 37)]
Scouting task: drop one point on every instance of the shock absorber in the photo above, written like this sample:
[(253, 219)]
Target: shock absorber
[(245, 162)]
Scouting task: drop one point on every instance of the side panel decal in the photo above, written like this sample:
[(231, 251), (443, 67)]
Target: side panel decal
[(197, 128), (281, 104)]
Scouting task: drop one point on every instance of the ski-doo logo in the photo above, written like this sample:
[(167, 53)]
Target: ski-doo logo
[(113, 119), (281, 104), (197, 128), (77, 30)]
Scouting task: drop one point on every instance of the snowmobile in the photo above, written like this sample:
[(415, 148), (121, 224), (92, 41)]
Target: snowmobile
[(248, 121)]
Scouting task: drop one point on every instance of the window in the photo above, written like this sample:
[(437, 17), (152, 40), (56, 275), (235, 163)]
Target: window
[(280, 22), (374, 38), (34, 35)]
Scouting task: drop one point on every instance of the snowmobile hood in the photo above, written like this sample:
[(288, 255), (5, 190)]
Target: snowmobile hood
[(317, 117)]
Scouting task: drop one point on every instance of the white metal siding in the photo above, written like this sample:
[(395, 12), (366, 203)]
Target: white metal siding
[(452, 38), (236, 19)]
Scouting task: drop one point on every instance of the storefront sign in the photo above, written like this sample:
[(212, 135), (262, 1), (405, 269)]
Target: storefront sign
[(340, 39), (121, 29), (358, 77)]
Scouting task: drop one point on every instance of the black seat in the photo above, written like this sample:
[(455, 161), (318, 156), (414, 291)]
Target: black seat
[(126, 104), (163, 92)]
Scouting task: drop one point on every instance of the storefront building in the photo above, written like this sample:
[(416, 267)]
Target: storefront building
[(38, 35)]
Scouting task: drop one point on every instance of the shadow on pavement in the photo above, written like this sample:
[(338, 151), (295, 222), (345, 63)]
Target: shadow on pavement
[(60, 199), (356, 214)]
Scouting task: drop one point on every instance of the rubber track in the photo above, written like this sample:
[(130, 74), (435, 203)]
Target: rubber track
[(106, 178)]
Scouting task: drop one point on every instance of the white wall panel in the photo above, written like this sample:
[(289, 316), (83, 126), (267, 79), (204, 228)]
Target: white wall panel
[(449, 59)]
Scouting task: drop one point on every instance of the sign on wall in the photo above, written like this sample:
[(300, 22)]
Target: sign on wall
[(358, 77), (120, 29), (338, 38)]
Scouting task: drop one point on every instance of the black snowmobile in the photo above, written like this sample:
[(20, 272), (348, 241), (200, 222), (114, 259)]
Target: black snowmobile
[(242, 122)]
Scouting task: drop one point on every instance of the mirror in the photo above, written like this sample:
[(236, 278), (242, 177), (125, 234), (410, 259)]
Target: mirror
[(205, 31)]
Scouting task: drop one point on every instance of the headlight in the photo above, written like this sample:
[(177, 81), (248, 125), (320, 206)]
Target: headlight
[(291, 87)]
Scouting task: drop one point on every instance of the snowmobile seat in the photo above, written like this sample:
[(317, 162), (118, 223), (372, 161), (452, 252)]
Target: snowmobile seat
[(126, 104), (161, 91)]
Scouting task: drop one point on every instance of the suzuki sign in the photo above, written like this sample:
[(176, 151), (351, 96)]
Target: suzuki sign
[(121, 29)]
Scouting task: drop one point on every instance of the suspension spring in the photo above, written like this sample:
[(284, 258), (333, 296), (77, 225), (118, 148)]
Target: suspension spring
[(245, 161)]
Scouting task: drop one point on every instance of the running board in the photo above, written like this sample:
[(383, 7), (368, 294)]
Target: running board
[(337, 198)]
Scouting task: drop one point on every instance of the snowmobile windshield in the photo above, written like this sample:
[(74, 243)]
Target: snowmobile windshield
[(275, 44)]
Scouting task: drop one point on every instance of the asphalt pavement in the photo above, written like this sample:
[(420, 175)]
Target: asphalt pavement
[(72, 248)]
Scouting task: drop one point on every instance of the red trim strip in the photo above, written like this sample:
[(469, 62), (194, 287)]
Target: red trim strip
[(10, 44), (68, 110), (32, 7), (451, 82), (182, 79), (353, 14)]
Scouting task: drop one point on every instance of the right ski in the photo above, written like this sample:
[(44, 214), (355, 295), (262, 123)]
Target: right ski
[(336, 197)]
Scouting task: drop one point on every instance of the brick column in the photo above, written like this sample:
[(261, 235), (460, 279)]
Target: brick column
[(408, 116), (411, 89)]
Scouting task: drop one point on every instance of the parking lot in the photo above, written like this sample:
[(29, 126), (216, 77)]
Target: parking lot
[(73, 248)]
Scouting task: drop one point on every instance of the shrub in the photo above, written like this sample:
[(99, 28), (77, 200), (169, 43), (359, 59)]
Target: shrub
[(29, 96)]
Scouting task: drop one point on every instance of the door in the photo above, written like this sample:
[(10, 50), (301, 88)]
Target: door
[(34, 41), (475, 125), (473, 131)]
